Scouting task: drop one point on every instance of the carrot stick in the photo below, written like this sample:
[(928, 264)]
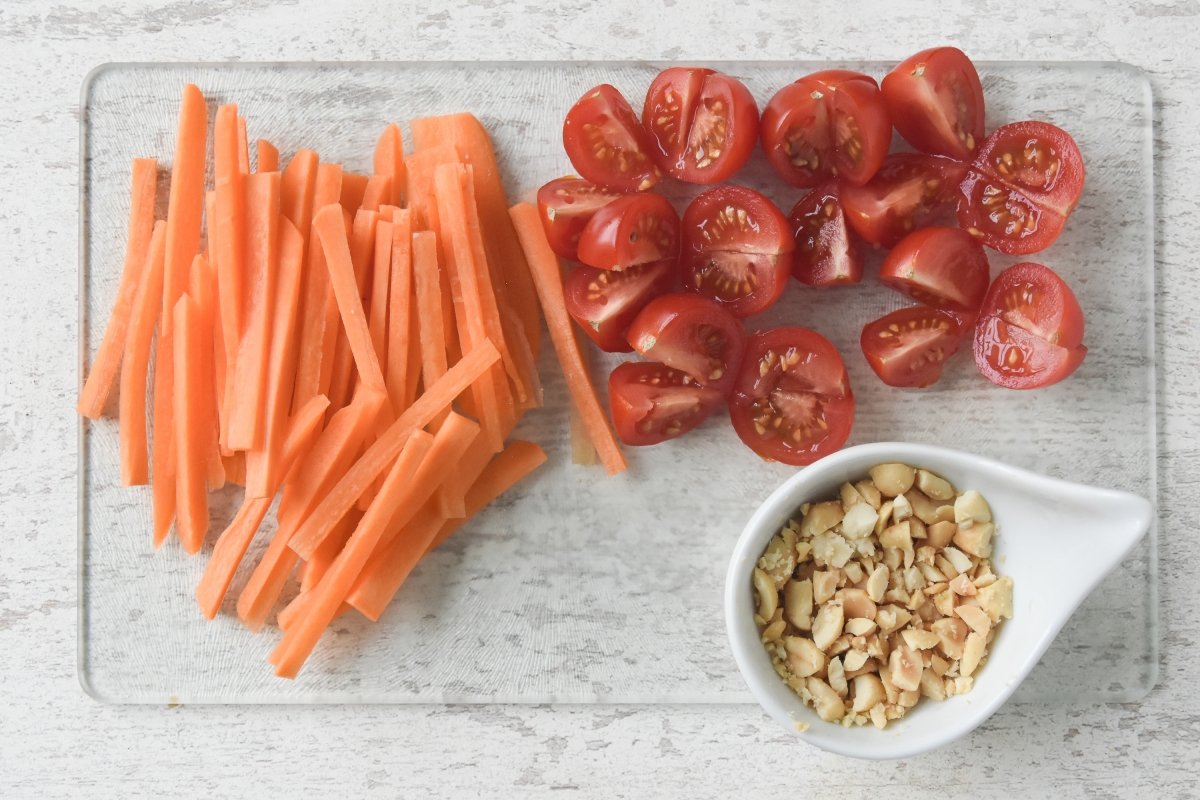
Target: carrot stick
[(185, 204), (412, 373), (266, 582), (399, 311), (354, 482), (233, 542), (135, 362), (327, 189), (315, 568), (427, 277), (243, 147), (389, 160), (380, 280), (107, 361), (547, 277), (235, 467), (362, 246), (378, 192), (297, 186), (354, 187), (420, 169), (268, 156), (518, 345), (247, 417), (202, 289), (212, 254), (301, 637), (190, 432), (163, 442), (227, 231)]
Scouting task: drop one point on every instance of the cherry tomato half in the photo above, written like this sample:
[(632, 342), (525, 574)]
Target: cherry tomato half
[(940, 267), (826, 254), (936, 102), (704, 123), (909, 191), (631, 230), (692, 334), (1039, 160), (604, 302), (565, 206), (1014, 358), (792, 401), (652, 403), (831, 124), (909, 346), (1004, 218), (737, 249), (606, 143)]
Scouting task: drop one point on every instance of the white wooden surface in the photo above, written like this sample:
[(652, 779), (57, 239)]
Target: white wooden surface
[(54, 741)]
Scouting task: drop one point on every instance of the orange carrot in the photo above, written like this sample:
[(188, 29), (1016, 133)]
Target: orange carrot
[(135, 361), (354, 187), (378, 192), (202, 288), (107, 362), (268, 156), (266, 582), (243, 147), (380, 280), (226, 238), (185, 205), (420, 169), (399, 311), (518, 345), (362, 246), (235, 467), (412, 372), (191, 358), (212, 253), (427, 277), (297, 186), (547, 277), (315, 568), (327, 189), (355, 481), (162, 453), (389, 160)]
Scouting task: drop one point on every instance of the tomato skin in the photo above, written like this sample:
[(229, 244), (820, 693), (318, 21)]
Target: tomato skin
[(910, 191), (565, 205), (652, 403), (607, 144), (935, 101), (605, 302), (908, 347), (792, 402), (1004, 218), (633, 229), (1033, 297), (692, 334), (825, 125), (1014, 358), (692, 113), (940, 267), (1039, 160), (826, 254), (737, 249)]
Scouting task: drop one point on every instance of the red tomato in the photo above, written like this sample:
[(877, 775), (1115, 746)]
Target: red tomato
[(604, 302), (1004, 218), (936, 102), (607, 144), (826, 255), (792, 401), (565, 206), (631, 230), (940, 267), (909, 191), (1041, 161), (692, 334), (909, 346), (652, 403), (830, 124), (737, 249), (704, 123), (1014, 358)]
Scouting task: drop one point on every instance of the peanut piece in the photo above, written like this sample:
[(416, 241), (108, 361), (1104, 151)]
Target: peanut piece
[(868, 692), (893, 479), (768, 595), (854, 660), (870, 493), (826, 701), (828, 624), (969, 508), (850, 496), (824, 584), (820, 518), (977, 539), (836, 675), (856, 603), (940, 534), (972, 654), (859, 521), (952, 636), (804, 657), (934, 486)]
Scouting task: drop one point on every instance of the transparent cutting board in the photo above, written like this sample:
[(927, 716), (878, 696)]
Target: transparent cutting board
[(575, 587)]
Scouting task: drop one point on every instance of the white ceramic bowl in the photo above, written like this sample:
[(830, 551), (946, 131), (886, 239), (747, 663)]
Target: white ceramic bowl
[(1055, 539)]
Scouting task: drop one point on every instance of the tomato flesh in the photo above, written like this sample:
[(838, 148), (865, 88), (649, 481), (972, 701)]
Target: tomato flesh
[(792, 401), (910, 191), (737, 249), (704, 123), (909, 346), (691, 334), (1039, 160), (633, 229), (652, 403), (826, 255), (604, 302), (607, 144), (565, 206), (1004, 218), (831, 124), (1014, 358), (935, 101), (940, 267)]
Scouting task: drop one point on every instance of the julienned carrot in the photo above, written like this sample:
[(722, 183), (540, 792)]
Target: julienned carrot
[(411, 373), (162, 449), (226, 237), (399, 310), (378, 192), (190, 427), (243, 147), (185, 205), (354, 482), (354, 187), (211, 252), (362, 248), (514, 334), (427, 279), (547, 277), (202, 288), (235, 467), (327, 596), (377, 315), (268, 156), (135, 362), (389, 160), (297, 186), (420, 169), (312, 570), (327, 189), (107, 362), (233, 542)]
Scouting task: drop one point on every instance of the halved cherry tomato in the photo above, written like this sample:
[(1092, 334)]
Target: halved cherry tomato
[(737, 249), (940, 267), (831, 124), (631, 230), (565, 206), (792, 401), (909, 346), (1004, 218), (909, 191), (1039, 160), (704, 123), (826, 254), (692, 334), (604, 302), (606, 143), (936, 102), (1030, 332), (652, 403)]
